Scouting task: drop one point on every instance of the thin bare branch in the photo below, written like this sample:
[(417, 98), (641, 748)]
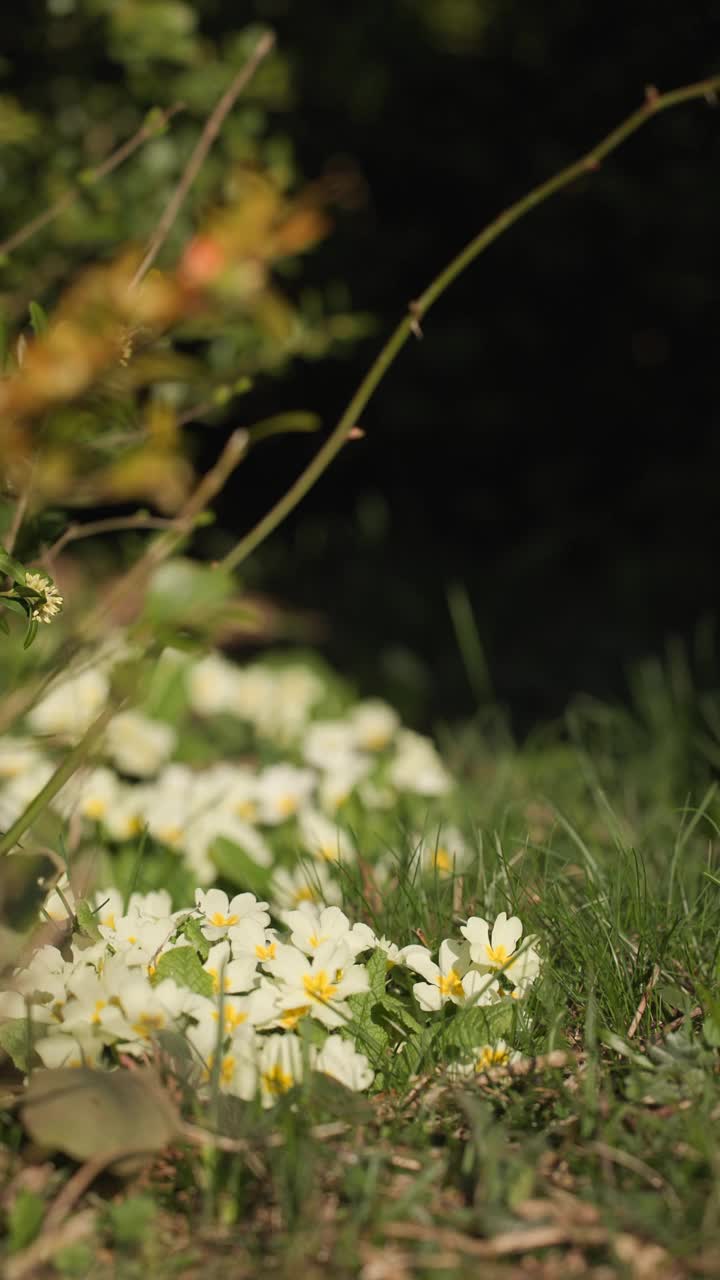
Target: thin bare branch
[(199, 154), (410, 325), (113, 524)]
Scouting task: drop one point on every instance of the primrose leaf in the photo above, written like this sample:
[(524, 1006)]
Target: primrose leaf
[(183, 965), (16, 1040), (87, 1113)]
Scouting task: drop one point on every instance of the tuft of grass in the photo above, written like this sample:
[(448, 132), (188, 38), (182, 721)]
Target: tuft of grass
[(598, 1151)]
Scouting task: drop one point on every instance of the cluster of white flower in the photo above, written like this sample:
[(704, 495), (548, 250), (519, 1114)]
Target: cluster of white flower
[(238, 988), (294, 778)]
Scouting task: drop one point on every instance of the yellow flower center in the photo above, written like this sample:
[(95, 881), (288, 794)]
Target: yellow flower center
[(221, 921), (319, 987), (492, 1058), (266, 953), (95, 807), (290, 1017), (99, 1006), (305, 893), (246, 809), (227, 1068), (277, 1081), (287, 805), (497, 955), (450, 984), (170, 835), (147, 1023), (315, 939), (442, 860), (108, 920)]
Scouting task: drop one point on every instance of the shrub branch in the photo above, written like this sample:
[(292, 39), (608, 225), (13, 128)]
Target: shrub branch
[(654, 103)]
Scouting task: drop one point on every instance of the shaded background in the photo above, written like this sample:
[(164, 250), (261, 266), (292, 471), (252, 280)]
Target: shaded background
[(552, 443)]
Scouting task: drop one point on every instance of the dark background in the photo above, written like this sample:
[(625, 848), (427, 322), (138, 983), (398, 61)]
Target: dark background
[(552, 444)]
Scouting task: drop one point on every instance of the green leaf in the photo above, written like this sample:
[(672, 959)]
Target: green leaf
[(31, 633), (367, 1026), (195, 936), (13, 568), (16, 1039), (183, 965), (471, 1028), (237, 866), (8, 602), (130, 1221), (87, 921), (97, 1113), (38, 319), (75, 1260), (24, 1219), (281, 423)]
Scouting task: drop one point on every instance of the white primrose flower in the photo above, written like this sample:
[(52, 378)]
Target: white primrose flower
[(93, 1006), (485, 1057), (123, 818), (137, 745), (149, 1009), (451, 979), (312, 925), (280, 1065), (70, 705), (330, 745), (47, 973), (252, 939), (239, 1014), (108, 906), (18, 756), (138, 940), (219, 913), (338, 1058), (323, 838), (319, 985), (282, 791), (235, 975), (441, 852), (252, 694), (237, 792), (212, 685), (90, 794), (363, 933), (64, 1050), (492, 951), (295, 691), (338, 783), (417, 767), (166, 806), (13, 1005), (238, 1071), (308, 882), (16, 796), (156, 905), (374, 724)]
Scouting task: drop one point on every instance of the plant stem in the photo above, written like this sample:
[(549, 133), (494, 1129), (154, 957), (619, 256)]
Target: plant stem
[(64, 771), (410, 324)]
